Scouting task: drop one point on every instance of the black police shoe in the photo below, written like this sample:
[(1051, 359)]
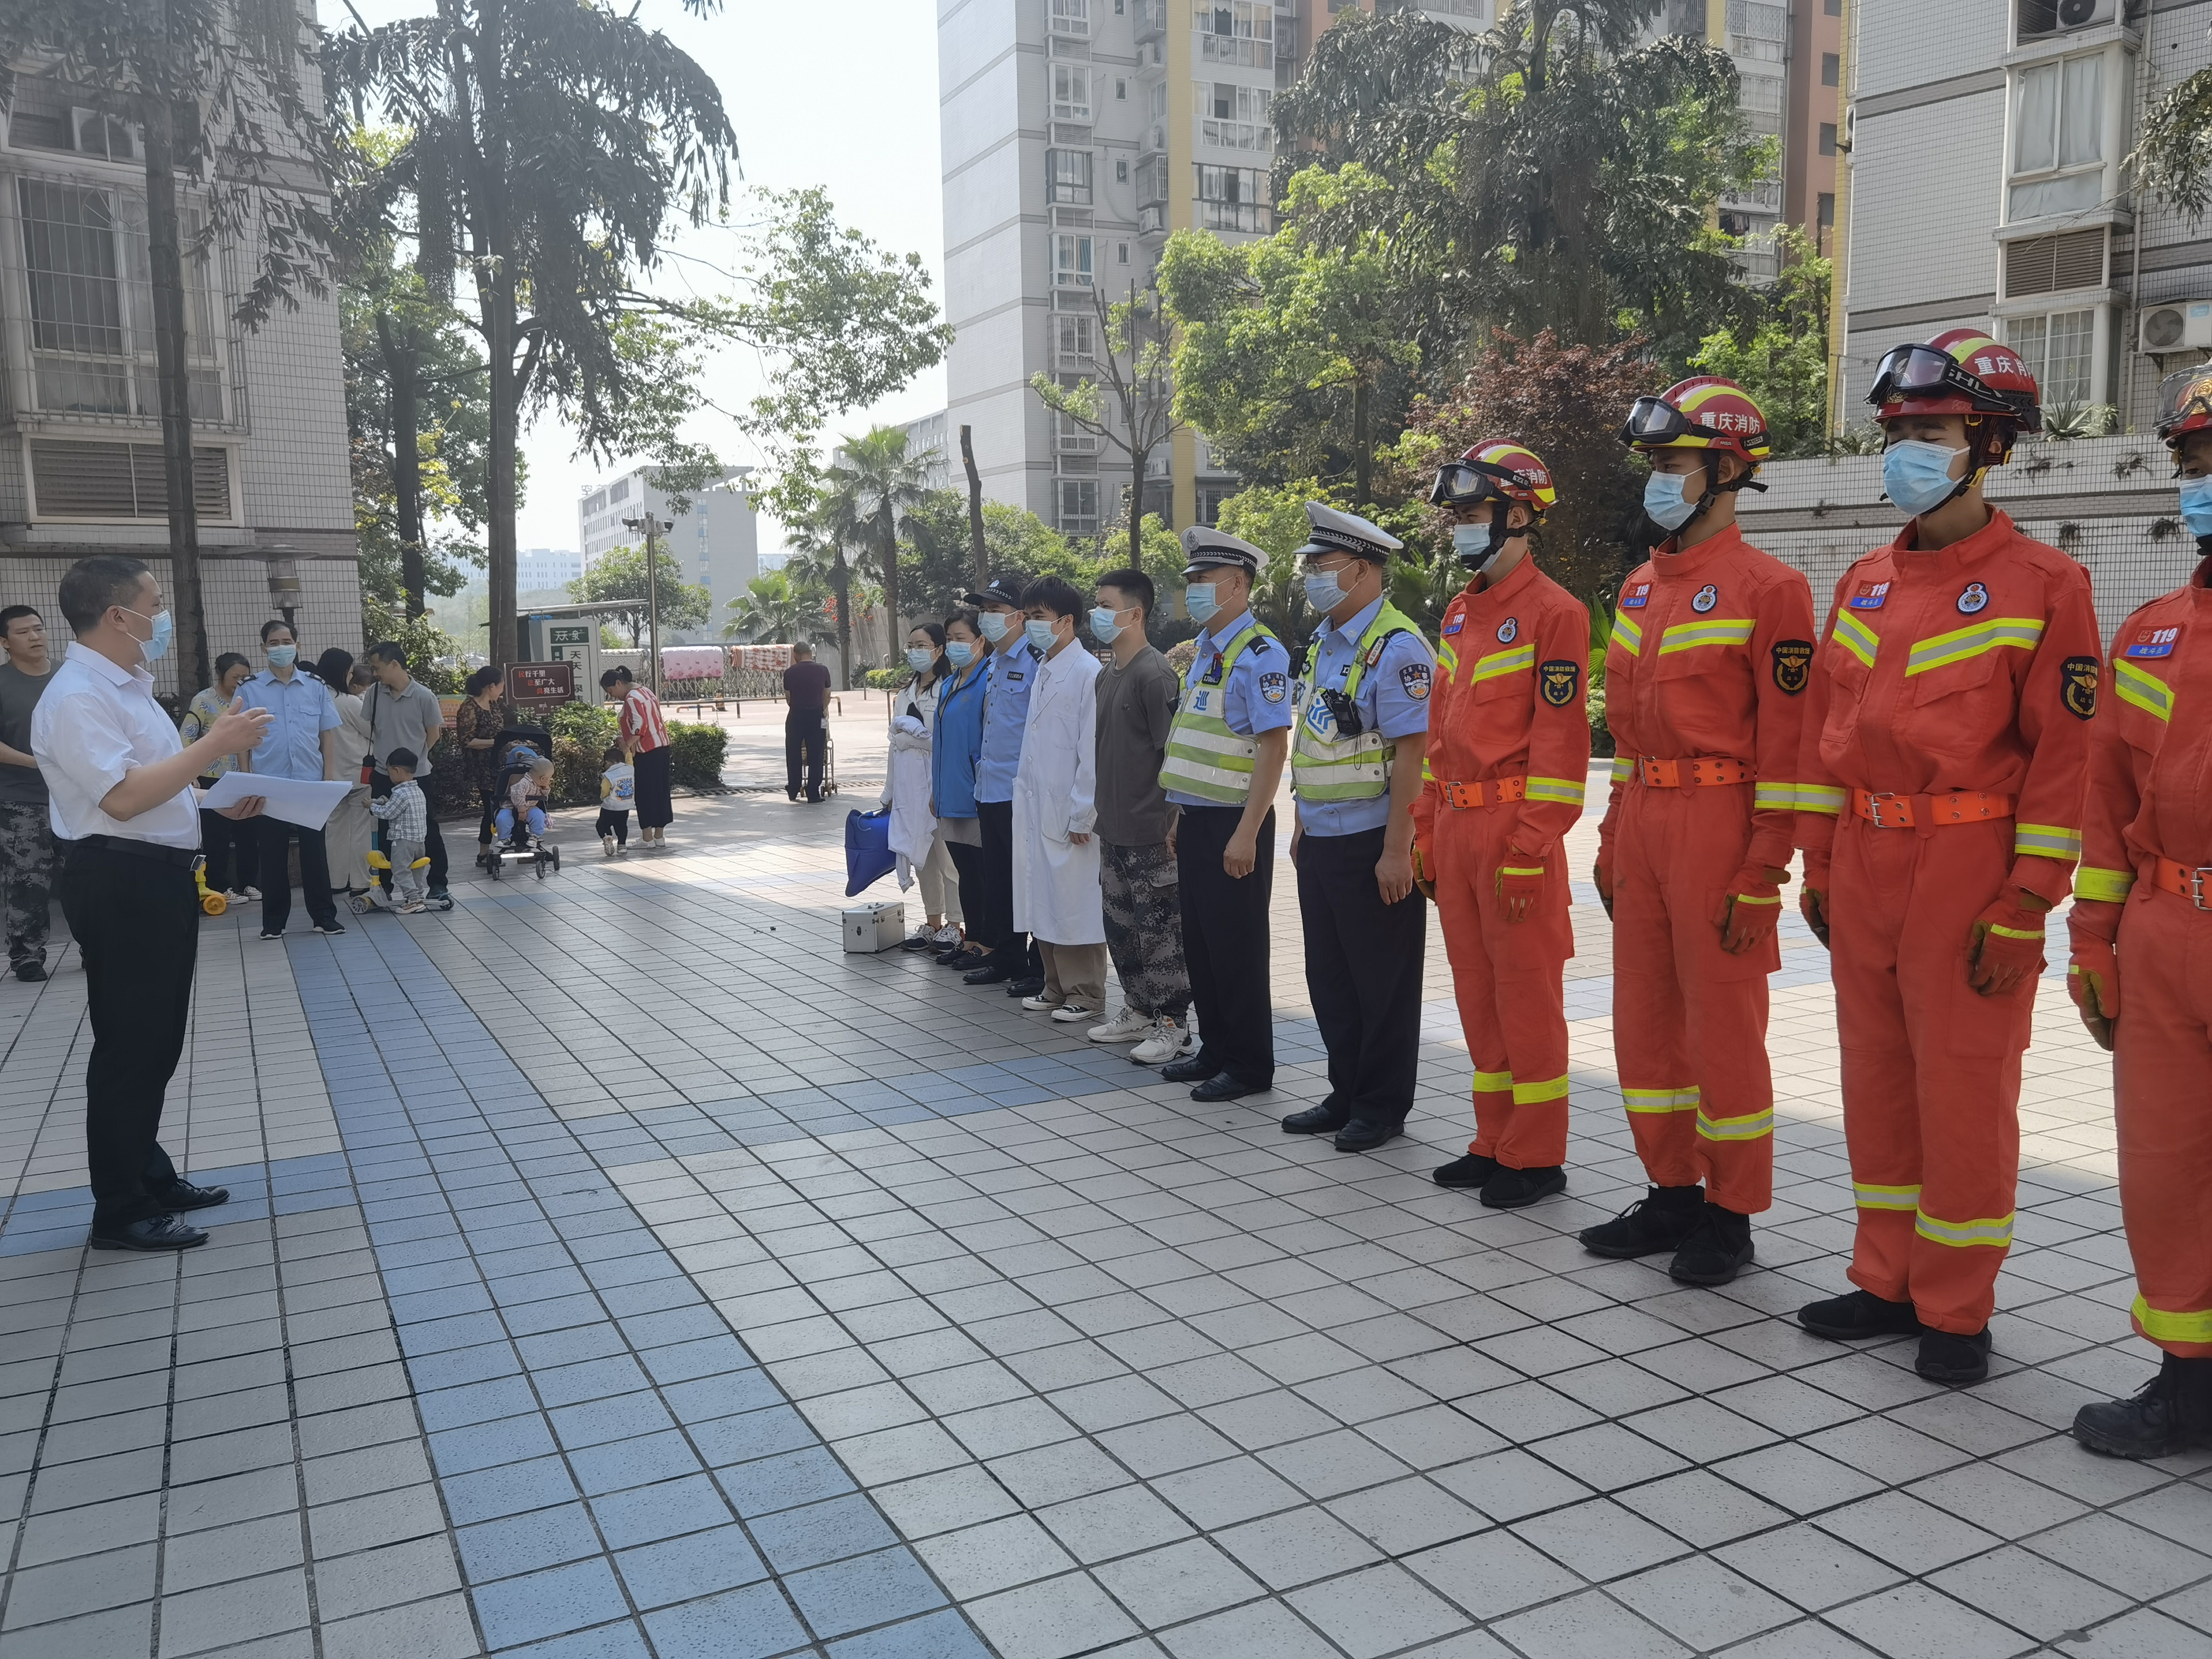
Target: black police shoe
[(1947, 1356), (1321, 1119), (1660, 1220), (1718, 1249), (1192, 1068), (2170, 1413), (1857, 1313), (153, 1232), (1031, 985), (183, 1195), (30, 972), (1362, 1136), (993, 972), (1465, 1171), (1224, 1085), (1511, 1189)]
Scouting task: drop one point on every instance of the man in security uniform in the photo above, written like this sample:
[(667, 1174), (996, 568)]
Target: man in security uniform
[(1014, 960), (1503, 782), (1225, 760), (1363, 715), (2143, 894), (1947, 724), (1705, 691)]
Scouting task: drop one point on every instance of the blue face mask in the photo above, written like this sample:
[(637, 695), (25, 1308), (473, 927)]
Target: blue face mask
[(283, 656), (959, 652), (1039, 633), (919, 660), (1200, 600), (165, 630), (1917, 476), (1104, 627), (1662, 501), (994, 625), (2196, 506), (1323, 591)]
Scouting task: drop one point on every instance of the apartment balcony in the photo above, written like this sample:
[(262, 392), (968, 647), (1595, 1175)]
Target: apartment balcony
[(1250, 136), (1070, 19), (1151, 19), (1760, 198), (1237, 50)]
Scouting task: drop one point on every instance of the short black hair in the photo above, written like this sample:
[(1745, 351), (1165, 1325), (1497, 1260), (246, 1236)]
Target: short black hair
[(611, 757), (1055, 594), (387, 651), (272, 625), (803, 648), (1132, 585), (228, 660), (7, 616), (91, 584), (967, 619), (405, 757), (613, 678)]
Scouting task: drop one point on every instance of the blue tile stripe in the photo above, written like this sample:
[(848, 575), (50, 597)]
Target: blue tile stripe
[(615, 1464)]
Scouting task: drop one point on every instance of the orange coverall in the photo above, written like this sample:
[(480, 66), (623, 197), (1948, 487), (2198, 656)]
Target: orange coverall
[(1973, 668), (1508, 765), (2149, 808), (1711, 654)]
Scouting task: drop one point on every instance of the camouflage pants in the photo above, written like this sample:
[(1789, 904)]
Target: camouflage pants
[(26, 879), (1143, 926)]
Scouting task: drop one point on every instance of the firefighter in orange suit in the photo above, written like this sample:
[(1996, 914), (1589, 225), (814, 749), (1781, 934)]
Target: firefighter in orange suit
[(1706, 681), (1506, 769), (2144, 896), (1947, 744)]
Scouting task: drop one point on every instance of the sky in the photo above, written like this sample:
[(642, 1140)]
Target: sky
[(844, 97)]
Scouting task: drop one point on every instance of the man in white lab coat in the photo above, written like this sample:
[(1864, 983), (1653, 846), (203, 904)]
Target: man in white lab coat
[(1057, 892)]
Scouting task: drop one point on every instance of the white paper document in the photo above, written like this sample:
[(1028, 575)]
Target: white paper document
[(308, 805)]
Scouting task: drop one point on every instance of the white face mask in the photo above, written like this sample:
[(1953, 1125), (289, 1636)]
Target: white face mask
[(994, 625)]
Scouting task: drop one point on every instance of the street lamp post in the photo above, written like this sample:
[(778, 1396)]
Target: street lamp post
[(653, 528)]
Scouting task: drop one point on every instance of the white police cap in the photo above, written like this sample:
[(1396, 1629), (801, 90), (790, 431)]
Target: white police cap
[(1203, 549), (1330, 531)]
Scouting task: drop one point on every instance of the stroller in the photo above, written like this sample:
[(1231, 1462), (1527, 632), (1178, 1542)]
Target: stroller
[(514, 750)]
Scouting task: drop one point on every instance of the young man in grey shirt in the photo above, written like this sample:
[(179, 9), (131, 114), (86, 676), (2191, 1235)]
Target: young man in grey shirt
[(402, 713), (1137, 697), (26, 838)]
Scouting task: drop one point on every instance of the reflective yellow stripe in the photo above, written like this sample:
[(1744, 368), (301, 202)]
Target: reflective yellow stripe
[(1567, 792), (1494, 1083), (1855, 637), (1623, 768), (2023, 632), (1531, 1094), (1963, 1235), (1628, 634), (2162, 1327), (2014, 932), (1503, 662), (2046, 841), (1519, 870), (1754, 898), (1750, 1127), (1427, 776), (2103, 887), (1661, 1100), (1774, 797), (1448, 658), (1820, 798), (1688, 637), (1885, 1198), (2146, 691)]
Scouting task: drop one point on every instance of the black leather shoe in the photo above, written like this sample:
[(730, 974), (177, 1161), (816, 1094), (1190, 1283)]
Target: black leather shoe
[(1512, 1190), (1468, 1170), (1660, 1220), (1321, 1119), (991, 973), (1223, 1086), (1858, 1312), (1192, 1068), (1718, 1249), (1947, 1356), (1361, 1136), (154, 1232), (2168, 1414), (30, 972), (1026, 987), (183, 1195)]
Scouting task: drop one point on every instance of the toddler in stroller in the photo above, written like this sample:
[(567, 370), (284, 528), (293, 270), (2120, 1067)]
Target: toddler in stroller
[(526, 784)]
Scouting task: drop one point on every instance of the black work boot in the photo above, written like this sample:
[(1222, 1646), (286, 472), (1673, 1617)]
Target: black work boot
[(1718, 1247), (2170, 1413), (1513, 1189), (1947, 1356), (1858, 1312), (1660, 1220), (1470, 1169)]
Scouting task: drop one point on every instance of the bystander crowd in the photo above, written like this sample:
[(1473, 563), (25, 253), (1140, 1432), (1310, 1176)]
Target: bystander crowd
[(27, 841), (233, 851)]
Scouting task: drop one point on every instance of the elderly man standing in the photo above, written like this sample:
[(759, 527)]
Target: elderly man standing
[(301, 743), (27, 842), (120, 780)]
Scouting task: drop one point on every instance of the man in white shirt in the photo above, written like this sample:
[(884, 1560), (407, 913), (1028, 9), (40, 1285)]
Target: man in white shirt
[(119, 786)]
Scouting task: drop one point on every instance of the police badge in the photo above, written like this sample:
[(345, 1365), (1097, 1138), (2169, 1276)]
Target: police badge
[(1793, 665), (1558, 680), (2080, 693), (1275, 687)]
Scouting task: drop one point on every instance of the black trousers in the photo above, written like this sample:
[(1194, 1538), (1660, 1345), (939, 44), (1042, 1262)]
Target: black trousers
[(492, 802), (136, 922), (656, 768), (1225, 944), (805, 736), (1363, 972), (995, 881), (611, 822), (968, 865), (277, 874), (379, 786), (233, 852)]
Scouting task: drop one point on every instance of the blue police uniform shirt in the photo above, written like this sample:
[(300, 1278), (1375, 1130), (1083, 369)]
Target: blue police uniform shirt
[(1005, 715), (301, 711), (1394, 700), (1253, 696)]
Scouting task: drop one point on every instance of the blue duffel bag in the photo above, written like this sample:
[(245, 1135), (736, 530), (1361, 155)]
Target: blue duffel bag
[(868, 855)]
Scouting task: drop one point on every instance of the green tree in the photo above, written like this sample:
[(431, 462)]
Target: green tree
[(866, 494), (772, 609), (1780, 355), (619, 576), (1273, 518), (937, 567), (1128, 400)]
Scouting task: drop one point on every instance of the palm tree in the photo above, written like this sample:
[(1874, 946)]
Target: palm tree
[(874, 484), (772, 609), (822, 581)]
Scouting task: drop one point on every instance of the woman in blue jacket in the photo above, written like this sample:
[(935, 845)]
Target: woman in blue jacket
[(956, 739)]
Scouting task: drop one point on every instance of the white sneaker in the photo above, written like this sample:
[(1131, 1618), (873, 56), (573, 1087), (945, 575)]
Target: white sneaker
[(606, 846), (947, 936), (1038, 1005), (1127, 1027), (1068, 1012), (1168, 1041), (250, 893)]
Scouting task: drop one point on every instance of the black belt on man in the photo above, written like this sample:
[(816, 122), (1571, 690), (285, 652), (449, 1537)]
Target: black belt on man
[(184, 858)]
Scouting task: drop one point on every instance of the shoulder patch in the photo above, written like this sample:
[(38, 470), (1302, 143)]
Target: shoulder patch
[(1793, 665), (1414, 677), (2080, 693), (1559, 681), (1275, 687)]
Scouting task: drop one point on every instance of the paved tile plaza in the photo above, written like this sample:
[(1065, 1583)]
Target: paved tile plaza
[(615, 1267)]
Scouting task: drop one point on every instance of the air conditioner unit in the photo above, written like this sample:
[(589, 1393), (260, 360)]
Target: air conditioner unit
[(2085, 14), (2181, 325)]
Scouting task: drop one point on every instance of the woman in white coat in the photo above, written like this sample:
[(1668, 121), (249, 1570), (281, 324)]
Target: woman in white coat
[(345, 837), (1057, 892), (916, 836)]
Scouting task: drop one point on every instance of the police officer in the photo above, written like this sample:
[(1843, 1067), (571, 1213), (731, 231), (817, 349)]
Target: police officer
[(1225, 759), (1014, 960), (1355, 768)]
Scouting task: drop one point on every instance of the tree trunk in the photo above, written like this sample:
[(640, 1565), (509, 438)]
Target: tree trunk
[(841, 583), (1138, 459), (165, 254), (890, 555), (399, 369), (495, 281), (975, 510), (1363, 444)]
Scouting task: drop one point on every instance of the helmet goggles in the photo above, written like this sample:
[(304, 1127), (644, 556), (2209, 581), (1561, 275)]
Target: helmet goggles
[(1921, 373), (2185, 403), (1654, 423), (1469, 483)]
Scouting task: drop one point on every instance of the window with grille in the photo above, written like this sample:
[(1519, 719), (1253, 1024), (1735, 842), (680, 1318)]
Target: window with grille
[(2058, 137), (1079, 505), (1232, 198), (1068, 172), (73, 480), (1071, 261), (2058, 348), (1070, 91), (2052, 265), (1075, 338)]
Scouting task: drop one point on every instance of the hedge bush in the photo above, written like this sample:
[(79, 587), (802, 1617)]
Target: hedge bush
[(697, 762)]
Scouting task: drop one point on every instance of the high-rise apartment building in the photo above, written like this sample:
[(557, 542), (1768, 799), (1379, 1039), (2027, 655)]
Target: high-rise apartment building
[(544, 569), (716, 540)]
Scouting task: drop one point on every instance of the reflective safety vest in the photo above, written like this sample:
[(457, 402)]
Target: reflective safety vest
[(1204, 758), (1325, 767)]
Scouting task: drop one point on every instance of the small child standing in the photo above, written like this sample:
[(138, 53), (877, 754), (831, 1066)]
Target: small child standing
[(525, 810), (406, 818), (617, 794)]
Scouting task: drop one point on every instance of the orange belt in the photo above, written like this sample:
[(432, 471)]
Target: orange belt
[(1669, 774), (1498, 791), (2193, 885), (1885, 811)]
